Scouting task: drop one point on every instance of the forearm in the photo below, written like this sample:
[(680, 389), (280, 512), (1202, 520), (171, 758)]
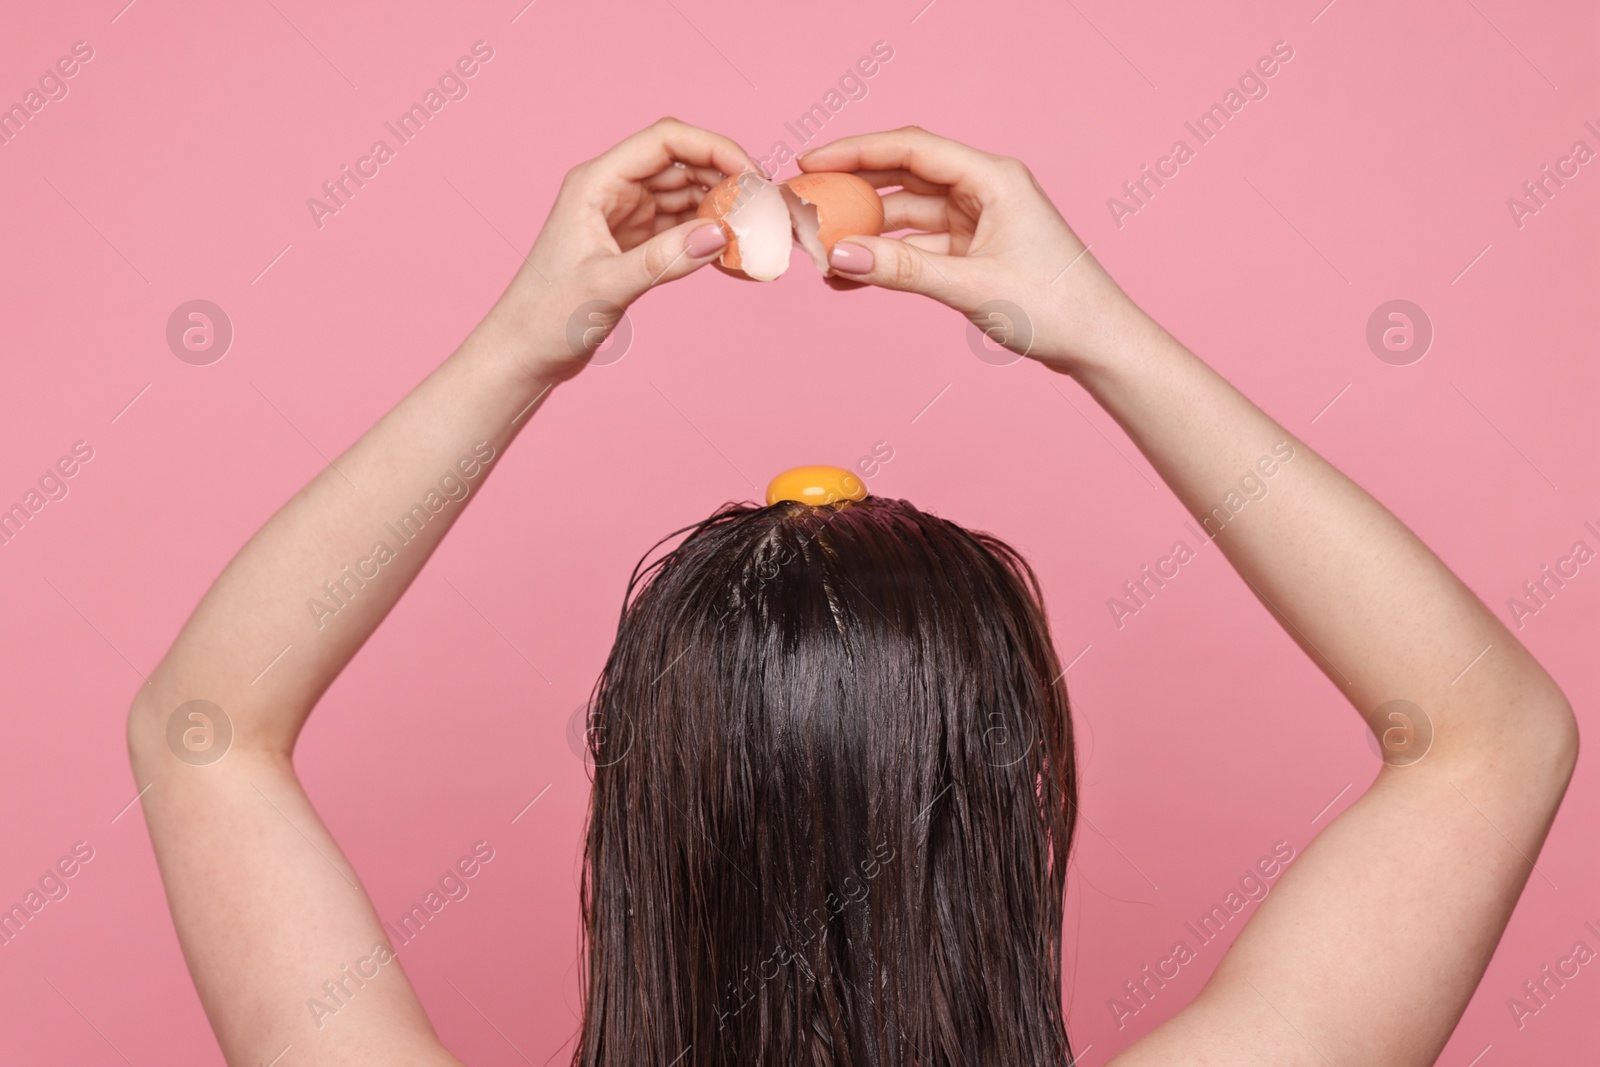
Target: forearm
[(1374, 608), (309, 588)]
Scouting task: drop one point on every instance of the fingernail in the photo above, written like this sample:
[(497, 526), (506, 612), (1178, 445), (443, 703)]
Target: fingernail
[(851, 258), (706, 240)]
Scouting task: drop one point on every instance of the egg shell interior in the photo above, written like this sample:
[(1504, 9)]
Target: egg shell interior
[(763, 220), (827, 207)]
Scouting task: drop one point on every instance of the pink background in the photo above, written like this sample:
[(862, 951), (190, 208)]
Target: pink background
[(178, 168)]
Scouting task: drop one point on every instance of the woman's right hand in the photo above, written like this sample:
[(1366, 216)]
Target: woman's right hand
[(989, 243), (623, 223)]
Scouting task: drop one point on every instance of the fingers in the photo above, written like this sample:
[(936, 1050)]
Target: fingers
[(663, 223), (880, 179), (677, 177), (931, 158), (895, 264), (913, 211), (668, 256), (669, 141), (929, 242), (685, 199)]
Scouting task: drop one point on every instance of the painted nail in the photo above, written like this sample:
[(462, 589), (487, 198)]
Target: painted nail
[(852, 259), (706, 240)]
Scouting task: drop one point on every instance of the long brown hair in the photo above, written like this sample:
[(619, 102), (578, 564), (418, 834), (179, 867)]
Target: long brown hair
[(833, 800)]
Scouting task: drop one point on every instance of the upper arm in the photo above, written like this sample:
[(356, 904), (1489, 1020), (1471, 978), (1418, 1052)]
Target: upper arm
[(1370, 946), (281, 939)]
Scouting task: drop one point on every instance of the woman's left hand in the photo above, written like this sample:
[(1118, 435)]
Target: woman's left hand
[(621, 224)]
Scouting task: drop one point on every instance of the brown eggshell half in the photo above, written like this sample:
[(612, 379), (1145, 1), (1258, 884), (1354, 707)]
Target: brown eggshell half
[(844, 205)]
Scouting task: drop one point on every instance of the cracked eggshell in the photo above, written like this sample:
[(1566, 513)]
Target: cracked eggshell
[(827, 207), (755, 219), (764, 220)]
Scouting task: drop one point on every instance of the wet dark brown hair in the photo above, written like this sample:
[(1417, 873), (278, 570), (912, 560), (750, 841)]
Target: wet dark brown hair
[(833, 799)]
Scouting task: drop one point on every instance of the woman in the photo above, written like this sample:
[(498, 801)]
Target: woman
[(862, 692)]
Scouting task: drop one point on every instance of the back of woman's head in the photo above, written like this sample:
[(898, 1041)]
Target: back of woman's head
[(833, 797)]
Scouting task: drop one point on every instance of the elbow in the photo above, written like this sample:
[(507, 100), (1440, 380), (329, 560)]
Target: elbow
[(1564, 746), (144, 733), (1558, 731), (1523, 743), (1556, 759), (1548, 754), (166, 729)]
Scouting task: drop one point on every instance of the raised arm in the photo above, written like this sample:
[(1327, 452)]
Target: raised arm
[(281, 939), (1371, 945)]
